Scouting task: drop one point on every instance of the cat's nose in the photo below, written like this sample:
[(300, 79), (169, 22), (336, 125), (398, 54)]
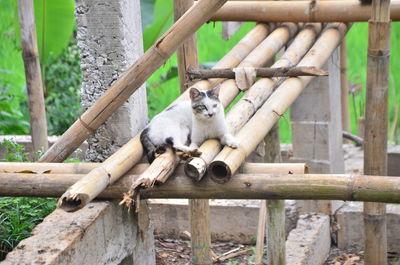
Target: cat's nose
[(210, 114)]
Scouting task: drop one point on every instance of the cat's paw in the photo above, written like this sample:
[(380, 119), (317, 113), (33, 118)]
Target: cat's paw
[(230, 141)]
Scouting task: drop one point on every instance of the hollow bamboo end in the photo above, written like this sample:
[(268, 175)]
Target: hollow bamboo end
[(219, 172), (195, 169), (72, 204)]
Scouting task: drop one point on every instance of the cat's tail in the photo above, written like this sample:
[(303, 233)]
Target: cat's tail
[(148, 146)]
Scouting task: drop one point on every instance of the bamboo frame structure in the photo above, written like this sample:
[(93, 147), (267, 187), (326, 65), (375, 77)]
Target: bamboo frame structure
[(242, 186), (300, 11), (34, 84), (131, 80), (252, 100), (260, 72), (131, 153), (376, 127), (344, 87), (229, 160)]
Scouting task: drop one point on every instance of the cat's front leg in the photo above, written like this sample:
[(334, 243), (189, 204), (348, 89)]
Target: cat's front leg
[(229, 140)]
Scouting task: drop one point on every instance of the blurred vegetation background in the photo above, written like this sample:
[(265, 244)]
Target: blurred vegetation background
[(59, 55)]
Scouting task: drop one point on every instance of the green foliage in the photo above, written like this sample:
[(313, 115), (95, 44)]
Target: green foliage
[(18, 216), (55, 22), (63, 81)]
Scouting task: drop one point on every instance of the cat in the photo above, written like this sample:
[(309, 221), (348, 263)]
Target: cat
[(186, 125)]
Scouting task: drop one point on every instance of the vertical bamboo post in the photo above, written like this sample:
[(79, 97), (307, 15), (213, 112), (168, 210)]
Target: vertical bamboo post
[(187, 53), (376, 127), (344, 87), (34, 85), (199, 209), (276, 236)]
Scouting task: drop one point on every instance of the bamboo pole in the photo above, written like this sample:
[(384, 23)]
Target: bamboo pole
[(276, 214), (229, 160), (34, 85), (199, 210), (252, 100), (376, 127), (344, 87), (131, 80), (187, 53), (260, 72), (300, 11), (131, 153), (242, 186)]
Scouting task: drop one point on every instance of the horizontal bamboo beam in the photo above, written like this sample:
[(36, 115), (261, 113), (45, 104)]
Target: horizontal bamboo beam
[(300, 11), (242, 186), (260, 72)]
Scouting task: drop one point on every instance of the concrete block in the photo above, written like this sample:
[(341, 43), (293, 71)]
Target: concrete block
[(351, 226), (100, 233), (310, 242), (231, 220)]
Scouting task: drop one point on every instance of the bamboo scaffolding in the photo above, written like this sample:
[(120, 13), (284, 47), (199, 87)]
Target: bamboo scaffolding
[(242, 186), (131, 153), (229, 160), (252, 100), (260, 72), (300, 11), (376, 127), (34, 85), (131, 80)]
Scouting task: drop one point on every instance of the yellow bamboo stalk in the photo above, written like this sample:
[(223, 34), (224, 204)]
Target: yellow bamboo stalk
[(252, 100), (131, 153), (34, 85), (300, 11), (229, 160), (242, 186), (131, 80), (274, 168), (376, 127)]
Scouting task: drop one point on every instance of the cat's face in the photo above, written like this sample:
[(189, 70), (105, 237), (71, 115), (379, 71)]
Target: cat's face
[(205, 104)]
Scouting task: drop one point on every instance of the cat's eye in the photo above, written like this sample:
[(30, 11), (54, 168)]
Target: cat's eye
[(215, 105)]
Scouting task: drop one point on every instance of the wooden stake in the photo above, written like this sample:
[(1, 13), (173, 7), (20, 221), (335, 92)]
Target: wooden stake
[(131, 153), (252, 99), (229, 160), (344, 87), (131, 80), (242, 186), (260, 72), (33, 75), (187, 53), (300, 11), (376, 127)]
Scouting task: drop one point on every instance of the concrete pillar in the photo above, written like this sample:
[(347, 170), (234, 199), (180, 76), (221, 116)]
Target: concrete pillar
[(317, 129), (110, 39)]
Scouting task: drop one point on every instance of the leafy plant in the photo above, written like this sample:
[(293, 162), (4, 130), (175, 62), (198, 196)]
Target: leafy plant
[(15, 152)]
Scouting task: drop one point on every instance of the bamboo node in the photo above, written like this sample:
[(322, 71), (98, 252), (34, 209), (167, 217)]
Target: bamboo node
[(87, 127)]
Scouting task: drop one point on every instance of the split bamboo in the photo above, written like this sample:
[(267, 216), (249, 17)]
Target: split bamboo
[(187, 53), (260, 72), (131, 80), (252, 100), (242, 186), (229, 160), (34, 85), (131, 153), (376, 127), (300, 11)]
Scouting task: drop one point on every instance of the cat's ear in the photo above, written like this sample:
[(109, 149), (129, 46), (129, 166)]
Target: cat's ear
[(214, 92), (195, 94)]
